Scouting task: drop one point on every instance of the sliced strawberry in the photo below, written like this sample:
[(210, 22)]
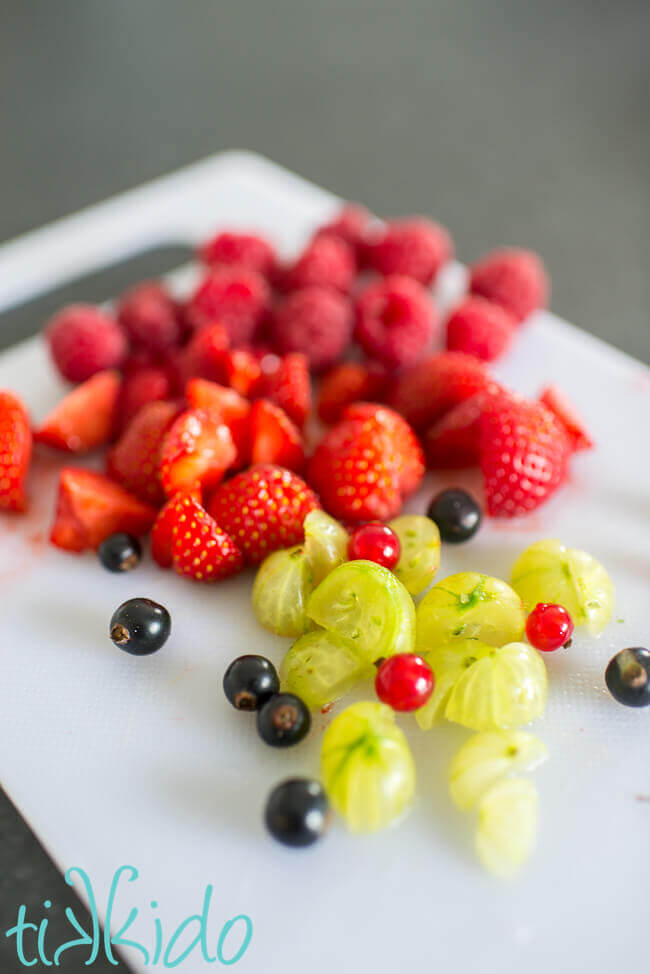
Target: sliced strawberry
[(229, 407), (347, 383), (197, 449), (134, 462), (564, 410), (140, 387), (201, 550), (161, 532), (204, 355), (453, 441), (242, 372), (90, 507), (427, 390), (404, 443), (288, 385), (263, 509), (86, 418), (274, 438), (15, 452)]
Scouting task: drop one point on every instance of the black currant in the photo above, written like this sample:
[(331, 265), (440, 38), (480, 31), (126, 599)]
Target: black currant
[(628, 677), (120, 552), (456, 513), (140, 626), (283, 720), (250, 681), (297, 812)]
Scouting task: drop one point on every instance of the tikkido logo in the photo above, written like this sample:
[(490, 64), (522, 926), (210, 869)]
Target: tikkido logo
[(191, 936)]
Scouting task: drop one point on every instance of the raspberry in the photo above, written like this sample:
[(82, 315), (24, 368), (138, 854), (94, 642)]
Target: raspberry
[(315, 321), (350, 225), (515, 279), (83, 340), (149, 316), (244, 249), (414, 247), (327, 261), (237, 298), (395, 322), (481, 328)]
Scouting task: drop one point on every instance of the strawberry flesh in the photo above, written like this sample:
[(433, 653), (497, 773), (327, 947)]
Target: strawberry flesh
[(86, 418)]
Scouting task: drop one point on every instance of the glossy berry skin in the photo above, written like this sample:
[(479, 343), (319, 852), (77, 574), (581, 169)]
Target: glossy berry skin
[(456, 513), (250, 681), (120, 552), (375, 542), (140, 626), (297, 812), (404, 682), (549, 627), (283, 721), (628, 677)]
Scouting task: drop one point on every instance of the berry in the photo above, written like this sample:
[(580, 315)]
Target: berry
[(242, 249), (134, 462), (85, 418), (140, 626), (163, 526), (263, 509), (283, 721), (283, 584), (395, 321), (563, 410), (432, 387), (628, 677), (201, 549), (523, 454), (350, 224), (151, 384), (250, 681), (456, 513), (120, 552), (453, 440), (515, 279), (375, 542), (549, 627), (90, 508), (410, 460), (297, 812), (274, 438), (235, 297), (197, 448), (226, 406), (347, 383), (419, 558), (150, 317), (414, 247), (315, 321), (84, 340), (404, 682), (480, 328), (327, 261), (204, 355), (242, 372), (15, 452), (286, 382)]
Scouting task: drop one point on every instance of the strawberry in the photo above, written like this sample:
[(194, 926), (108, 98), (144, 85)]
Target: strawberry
[(242, 371), (274, 438), (427, 390), (453, 440), (203, 356), (197, 447), (161, 532), (286, 383), (403, 440), (262, 509), (85, 418), (524, 452), (230, 408), (557, 402), (346, 383), (201, 550), (134, 461), (90, 507), (15, 452), (140, 387)]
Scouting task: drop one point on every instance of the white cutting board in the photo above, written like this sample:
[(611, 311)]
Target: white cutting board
[(115, 760)]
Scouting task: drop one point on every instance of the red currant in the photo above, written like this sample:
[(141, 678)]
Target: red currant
[(375, 542), (405, 682), (548, 627)]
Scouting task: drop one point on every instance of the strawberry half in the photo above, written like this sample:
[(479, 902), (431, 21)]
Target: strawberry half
[(198, 448), (204, 355), (262, 509), (423, 393), (15, 452), (274, 438), (201, 550), (90, 507), (86, 418), (161, 532), (404, 442), (562, 409), (524, 452), (347, 383), (242, 372), (287, 384), (453, 442), (134, 462), (229, 407)]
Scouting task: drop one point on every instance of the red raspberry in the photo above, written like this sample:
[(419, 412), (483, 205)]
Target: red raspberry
[(350, 224), (150, 317), (415, 248), (244, 249), (84, 340), (139, 388), (327, 261), (515, 279), (480, 328), (315, 321), (237, 298), (396, 319)]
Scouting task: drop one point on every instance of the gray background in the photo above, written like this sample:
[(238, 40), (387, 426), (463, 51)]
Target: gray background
[(511, 122)]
